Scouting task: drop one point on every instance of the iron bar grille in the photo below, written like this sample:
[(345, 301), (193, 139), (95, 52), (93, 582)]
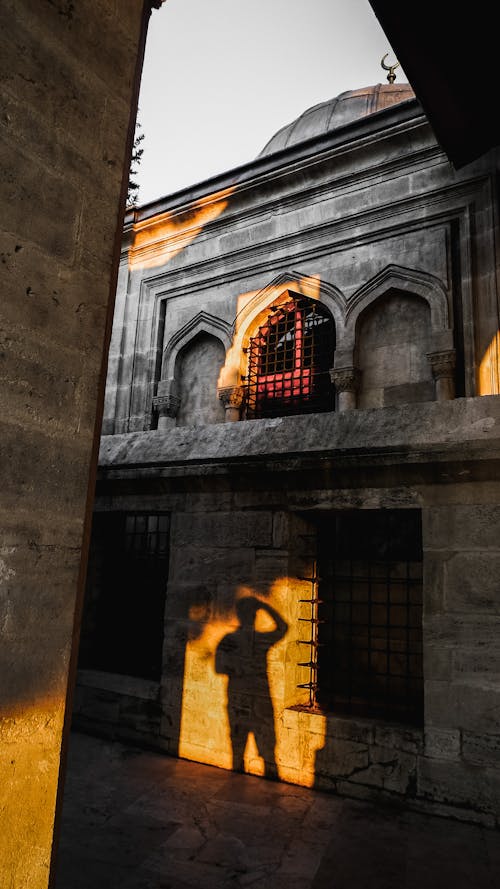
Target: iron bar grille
[(125, 599), (369, 615), (289, 361), (147, 535), (311, 606)]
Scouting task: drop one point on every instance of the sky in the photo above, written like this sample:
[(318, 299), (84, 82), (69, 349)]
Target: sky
[(220, 77)]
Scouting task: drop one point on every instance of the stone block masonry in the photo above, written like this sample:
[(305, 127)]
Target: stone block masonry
[(68, 71)]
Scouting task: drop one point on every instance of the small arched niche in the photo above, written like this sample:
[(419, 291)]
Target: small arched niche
[(393, 337), (198, 366)]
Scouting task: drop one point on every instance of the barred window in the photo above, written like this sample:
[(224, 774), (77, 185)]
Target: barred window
[(289, 361), (122, 628), (366, 615)]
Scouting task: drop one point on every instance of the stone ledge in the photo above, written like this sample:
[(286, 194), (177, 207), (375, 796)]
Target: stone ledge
[(466, 426)]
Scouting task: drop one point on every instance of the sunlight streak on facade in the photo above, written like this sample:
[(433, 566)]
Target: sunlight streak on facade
[(489, 369)]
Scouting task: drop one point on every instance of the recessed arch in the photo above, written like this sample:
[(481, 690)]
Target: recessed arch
[(197, 369), (393, 340), (289, 360), (311, 286), (276, 293), (202, 323), (398, 278)]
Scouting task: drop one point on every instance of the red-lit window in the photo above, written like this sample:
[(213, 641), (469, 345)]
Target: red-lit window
[(289, 361)]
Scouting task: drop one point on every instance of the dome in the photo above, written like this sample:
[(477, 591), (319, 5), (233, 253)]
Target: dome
[(337, 112)]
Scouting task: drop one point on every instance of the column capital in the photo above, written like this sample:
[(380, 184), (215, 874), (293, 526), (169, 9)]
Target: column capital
[(345, 379), (232, 396), (442, 363), (166, 405), (443, 371)]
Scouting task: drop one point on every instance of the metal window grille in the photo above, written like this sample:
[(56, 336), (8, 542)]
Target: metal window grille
[(289, 361), (125, 601), (146, 536), (366, 616), (311, 605)]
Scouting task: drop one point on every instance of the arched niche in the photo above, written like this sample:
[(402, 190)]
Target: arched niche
[(197, 370), (393, 339), (404, 280), (203, 322)]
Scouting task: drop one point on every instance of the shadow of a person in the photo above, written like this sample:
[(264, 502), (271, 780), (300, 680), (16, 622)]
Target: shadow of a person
[(242, 656)]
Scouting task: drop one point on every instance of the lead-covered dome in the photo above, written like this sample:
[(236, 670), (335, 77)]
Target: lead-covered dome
[(337, 112)]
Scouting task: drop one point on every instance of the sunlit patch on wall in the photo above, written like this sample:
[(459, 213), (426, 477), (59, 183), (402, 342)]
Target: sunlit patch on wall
[(235, 690), (157, 239), (204, 730), (30, 746), (489, 369), (302, 736), (254, 762)]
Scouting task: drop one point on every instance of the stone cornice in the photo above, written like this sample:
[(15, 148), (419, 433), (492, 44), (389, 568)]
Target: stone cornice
[(458, 428), (336, 186), (330, 237), (358, 134)]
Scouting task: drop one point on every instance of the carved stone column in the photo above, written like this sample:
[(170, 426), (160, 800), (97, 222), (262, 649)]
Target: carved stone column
[(167, 407), (232, 399), (443, 371), (346, 382)]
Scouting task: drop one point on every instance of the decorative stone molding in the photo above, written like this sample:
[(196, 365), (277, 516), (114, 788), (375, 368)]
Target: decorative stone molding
[(443, 372), (232, 398), (167, 407), (346, 381)]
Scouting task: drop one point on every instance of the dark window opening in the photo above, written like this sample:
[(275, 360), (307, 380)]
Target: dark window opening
[(366, 615), (122, 627), (289, 362)]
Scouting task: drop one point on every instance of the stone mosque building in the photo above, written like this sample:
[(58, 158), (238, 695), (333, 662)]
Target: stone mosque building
[(295, 552)]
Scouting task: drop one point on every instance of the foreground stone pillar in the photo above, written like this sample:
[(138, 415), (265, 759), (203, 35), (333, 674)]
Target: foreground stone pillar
[(346, 382), (69, 94), (443, 372)]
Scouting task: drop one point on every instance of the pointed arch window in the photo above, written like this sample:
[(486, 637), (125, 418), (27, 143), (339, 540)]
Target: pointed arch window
[(289, 361)]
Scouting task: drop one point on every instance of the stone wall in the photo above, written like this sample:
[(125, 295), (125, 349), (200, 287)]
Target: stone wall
[(69, 81), (243, 517)]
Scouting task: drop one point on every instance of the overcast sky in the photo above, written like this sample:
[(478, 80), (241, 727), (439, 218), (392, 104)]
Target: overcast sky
[(221, 76)]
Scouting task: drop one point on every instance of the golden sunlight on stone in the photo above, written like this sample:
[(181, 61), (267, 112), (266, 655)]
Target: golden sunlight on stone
[(158, 240), (234, 692), (29, 753), (489, 369)]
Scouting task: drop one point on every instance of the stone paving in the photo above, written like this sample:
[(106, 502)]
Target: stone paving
[(135, 819)]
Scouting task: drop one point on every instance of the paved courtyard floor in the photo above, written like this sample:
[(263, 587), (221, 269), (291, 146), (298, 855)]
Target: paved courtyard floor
[(133, 819)]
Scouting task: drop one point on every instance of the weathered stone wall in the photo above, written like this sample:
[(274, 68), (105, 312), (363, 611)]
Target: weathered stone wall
[(462, 653), (242, 527), (69, 80), (345, 226)]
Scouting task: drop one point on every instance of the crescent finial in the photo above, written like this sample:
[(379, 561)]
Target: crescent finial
[(391, 77)]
